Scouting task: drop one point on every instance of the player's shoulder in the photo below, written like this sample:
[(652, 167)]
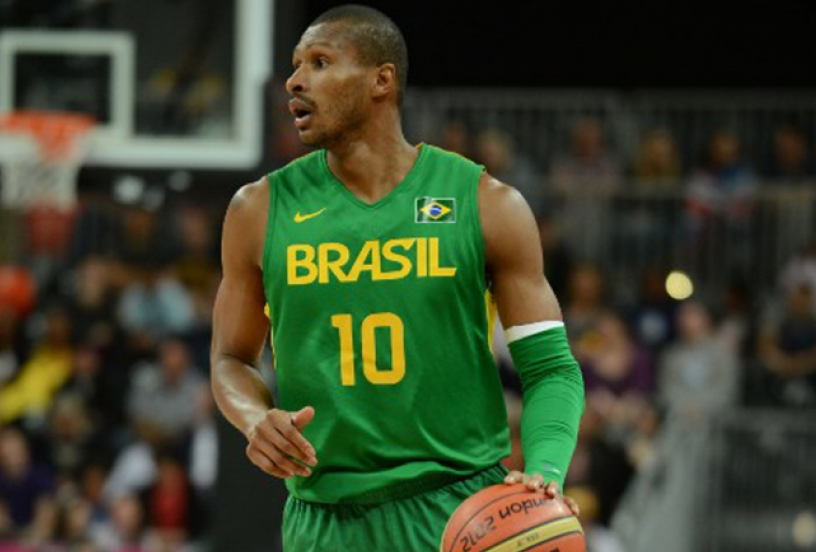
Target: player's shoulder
[(245, 221), (251, 195), (248, 210), (505, 216), (495, 195)]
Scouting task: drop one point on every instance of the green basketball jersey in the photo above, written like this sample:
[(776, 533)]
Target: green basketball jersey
[(380, 321)]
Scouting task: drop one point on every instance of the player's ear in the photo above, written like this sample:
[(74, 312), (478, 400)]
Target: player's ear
[(385, 82)]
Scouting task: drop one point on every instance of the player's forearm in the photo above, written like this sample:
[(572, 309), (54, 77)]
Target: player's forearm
[(240, 392), (553, 390), (549, 429)]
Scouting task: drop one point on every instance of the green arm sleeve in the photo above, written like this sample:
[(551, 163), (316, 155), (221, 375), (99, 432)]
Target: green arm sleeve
[(553, 391)]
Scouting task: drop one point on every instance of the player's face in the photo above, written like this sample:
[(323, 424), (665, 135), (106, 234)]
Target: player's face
[(328, 87)]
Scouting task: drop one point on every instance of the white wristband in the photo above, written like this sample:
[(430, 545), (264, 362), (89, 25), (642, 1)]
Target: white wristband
[(525, 330)]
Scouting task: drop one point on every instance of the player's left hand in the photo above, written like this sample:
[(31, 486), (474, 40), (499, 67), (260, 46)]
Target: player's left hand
[(535, 483)]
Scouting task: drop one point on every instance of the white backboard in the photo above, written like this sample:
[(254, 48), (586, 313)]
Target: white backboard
[(175, 84)]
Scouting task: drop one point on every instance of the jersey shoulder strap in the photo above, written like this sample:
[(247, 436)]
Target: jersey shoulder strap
[(304, 167)]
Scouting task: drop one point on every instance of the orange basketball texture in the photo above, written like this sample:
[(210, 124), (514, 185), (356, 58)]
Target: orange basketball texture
[(17, 290), (511, 518)]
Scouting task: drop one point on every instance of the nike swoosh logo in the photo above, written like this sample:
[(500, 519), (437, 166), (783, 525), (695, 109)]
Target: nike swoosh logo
[(300, 218)]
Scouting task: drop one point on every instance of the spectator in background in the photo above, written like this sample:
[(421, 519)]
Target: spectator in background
[(799, 270), (170, 503), (586, 177), (6, 524), (203, 465), (125, 531), (791, 163), (658, 164), (599, 466), (86, 546), (699, 380), (642, 223), (49, 367), (698, 375), (162, 408), (133, 471), (598, 537), (196, 266), (164, 396), (84, 384), (724, 186), (100, 381), (92, 302), (617, 376), (197, 269), (155, 305), (497, 151), (558, 260), (96, 232), (736, 329), (588, 166), (787, 348), (585, 301), (25, 488), (653, 315), (140, 241), (48, 238), (71, 436), (11, 345), (75, 522), (204, 446), (455, 137), (720, 207), (91, 485)]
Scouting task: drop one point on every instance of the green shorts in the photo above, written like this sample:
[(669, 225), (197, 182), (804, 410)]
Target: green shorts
[(413, 524)]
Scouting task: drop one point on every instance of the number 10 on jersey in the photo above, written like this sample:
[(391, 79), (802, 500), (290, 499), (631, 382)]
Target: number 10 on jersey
[(376, 375)]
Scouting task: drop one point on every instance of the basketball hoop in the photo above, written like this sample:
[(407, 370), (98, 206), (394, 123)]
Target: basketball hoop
[(43, 169)]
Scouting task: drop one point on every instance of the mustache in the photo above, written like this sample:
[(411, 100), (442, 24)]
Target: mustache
[(303, 99)]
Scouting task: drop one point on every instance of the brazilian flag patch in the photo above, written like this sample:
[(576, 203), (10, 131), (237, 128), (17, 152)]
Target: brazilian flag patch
[(435, 209)]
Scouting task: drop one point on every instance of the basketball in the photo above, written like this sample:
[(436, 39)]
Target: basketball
[(511, 518), (17, 290)]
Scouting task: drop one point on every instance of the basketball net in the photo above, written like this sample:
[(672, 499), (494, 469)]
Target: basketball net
[(43, 173)]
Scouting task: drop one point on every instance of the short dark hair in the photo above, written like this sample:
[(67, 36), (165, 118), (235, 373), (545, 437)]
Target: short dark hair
[(377, 38)]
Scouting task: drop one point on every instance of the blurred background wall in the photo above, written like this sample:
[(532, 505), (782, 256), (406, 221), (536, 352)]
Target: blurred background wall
[(668, 151)]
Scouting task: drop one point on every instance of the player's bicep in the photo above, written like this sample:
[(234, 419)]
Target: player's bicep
[(239, 323), (513, 255)]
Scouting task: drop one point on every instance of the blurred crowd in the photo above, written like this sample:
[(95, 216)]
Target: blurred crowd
[(718, 174), (107, 435), (658, 369), (661, 367), (107, 438)]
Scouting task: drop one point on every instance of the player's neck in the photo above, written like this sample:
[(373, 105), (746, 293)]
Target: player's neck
[(374, 163)]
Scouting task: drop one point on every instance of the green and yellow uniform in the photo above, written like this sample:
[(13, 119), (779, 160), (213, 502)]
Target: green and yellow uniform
[(380, 321)]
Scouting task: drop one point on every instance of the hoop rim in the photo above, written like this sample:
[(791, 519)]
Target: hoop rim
[(57, 133)]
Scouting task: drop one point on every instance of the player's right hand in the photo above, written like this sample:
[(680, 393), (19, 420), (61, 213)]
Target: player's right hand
[(277, 446), (535, 483)]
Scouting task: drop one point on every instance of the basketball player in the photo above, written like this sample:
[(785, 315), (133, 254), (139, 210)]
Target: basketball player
[(382, 264)]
